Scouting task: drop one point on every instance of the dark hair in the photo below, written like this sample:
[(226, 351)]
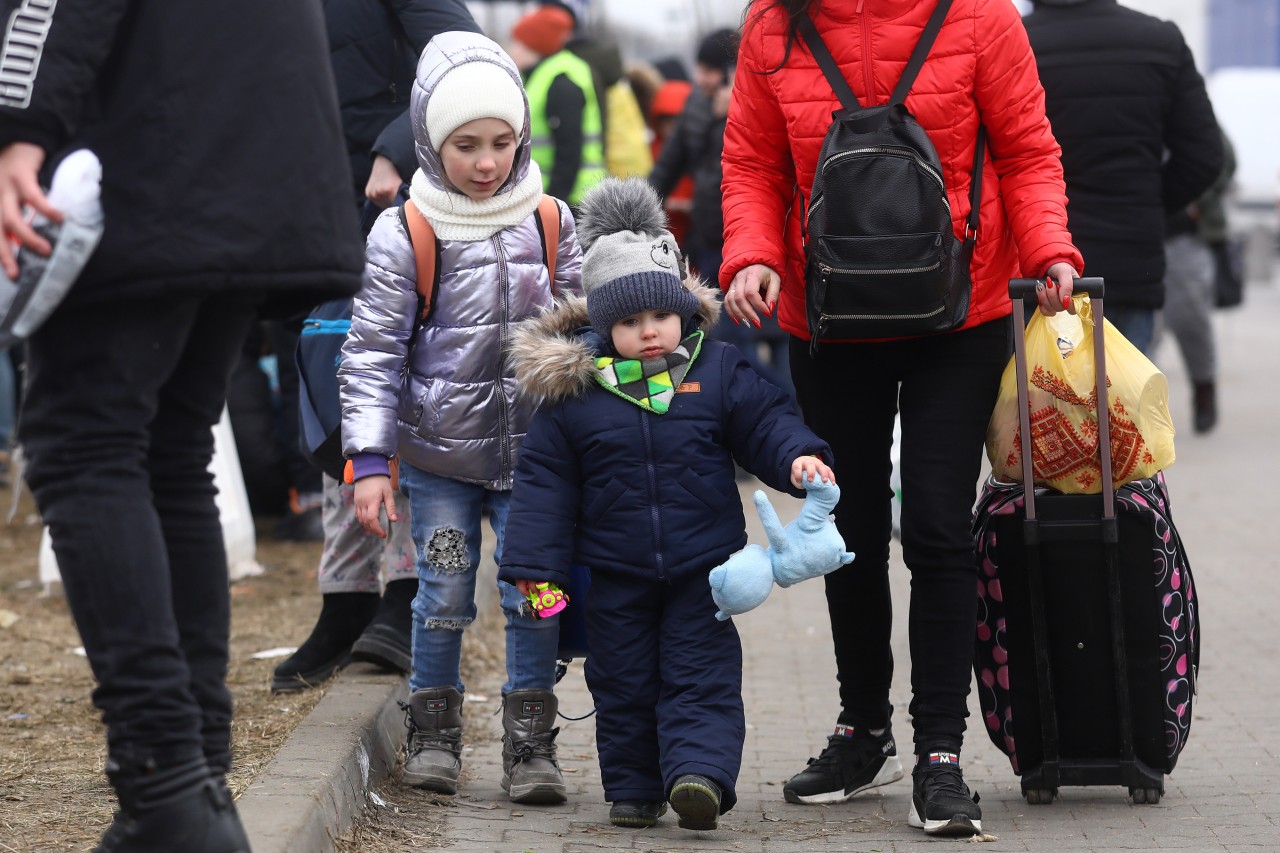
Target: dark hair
[(793, 9)]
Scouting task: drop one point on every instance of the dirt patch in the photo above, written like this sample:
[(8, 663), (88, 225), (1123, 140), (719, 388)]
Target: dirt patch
[(53, 795)]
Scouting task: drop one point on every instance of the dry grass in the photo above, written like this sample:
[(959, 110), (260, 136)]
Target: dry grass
[(53, 795), (52, 749)]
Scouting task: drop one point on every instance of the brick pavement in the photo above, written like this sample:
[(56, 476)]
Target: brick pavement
[(1224, 795)]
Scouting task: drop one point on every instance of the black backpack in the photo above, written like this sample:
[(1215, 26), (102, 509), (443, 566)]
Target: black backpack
[(881, 258)]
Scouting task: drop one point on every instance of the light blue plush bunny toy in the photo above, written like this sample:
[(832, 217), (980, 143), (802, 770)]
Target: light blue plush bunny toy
[(806, 548)]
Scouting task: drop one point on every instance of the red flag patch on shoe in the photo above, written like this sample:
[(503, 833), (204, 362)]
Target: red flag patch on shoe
[(532, 709), (937, 758)]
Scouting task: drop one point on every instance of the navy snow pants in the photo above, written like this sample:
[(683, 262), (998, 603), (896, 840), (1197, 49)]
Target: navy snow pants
[(666, 678)]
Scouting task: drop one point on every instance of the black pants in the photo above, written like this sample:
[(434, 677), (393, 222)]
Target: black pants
[(849, 394), (117, 423)]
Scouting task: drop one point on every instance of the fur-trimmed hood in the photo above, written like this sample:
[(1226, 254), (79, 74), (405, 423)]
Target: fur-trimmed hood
[(554, 359)]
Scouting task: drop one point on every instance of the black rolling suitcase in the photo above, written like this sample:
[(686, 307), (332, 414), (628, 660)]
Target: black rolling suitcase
[(1088, 637)]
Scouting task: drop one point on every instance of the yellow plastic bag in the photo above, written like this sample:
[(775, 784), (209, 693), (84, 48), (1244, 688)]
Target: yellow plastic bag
[(1064, 404)]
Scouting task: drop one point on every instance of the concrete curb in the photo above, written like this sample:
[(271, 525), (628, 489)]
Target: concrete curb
[(317, 784)]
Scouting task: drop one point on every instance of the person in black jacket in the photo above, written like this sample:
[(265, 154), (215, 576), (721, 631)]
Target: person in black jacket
[(1139, 141), (225, 190), (694, 148)]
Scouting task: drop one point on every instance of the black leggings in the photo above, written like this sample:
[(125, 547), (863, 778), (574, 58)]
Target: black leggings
[(945, 387)]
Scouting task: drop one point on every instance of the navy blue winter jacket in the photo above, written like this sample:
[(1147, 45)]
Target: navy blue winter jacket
[(605, 483)]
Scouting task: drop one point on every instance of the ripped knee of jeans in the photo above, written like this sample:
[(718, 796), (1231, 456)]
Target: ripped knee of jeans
[(447, 551), (448, 624)]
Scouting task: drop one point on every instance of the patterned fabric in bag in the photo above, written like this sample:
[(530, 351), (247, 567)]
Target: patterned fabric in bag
[(1178, 640)]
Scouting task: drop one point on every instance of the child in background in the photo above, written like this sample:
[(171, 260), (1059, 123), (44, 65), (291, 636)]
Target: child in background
[(628, 469), (440, 396)]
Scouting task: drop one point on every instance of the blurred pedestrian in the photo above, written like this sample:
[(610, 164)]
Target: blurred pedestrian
[(224, 192), (668, 102), (567, 122), (362, 618), (1139, 142), (1190, 277), (978, 74)]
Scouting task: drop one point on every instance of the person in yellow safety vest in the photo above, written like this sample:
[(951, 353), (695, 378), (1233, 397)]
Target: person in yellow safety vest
[(564, 113)]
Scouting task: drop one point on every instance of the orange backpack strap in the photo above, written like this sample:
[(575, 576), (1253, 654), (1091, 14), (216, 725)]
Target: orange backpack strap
[(426, 252), (549, 227)]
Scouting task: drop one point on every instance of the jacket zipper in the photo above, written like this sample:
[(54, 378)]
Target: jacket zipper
[(504, 441), (866, 52), (654, 515)]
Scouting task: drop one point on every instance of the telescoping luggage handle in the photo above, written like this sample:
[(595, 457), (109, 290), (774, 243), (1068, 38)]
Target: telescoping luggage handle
[(1050, 772), (1019, 290)]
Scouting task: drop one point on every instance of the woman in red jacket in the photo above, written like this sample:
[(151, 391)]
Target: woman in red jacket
[(980, 71)]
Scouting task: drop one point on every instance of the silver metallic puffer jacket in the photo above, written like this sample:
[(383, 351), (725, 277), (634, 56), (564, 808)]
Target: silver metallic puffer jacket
[(442, 394)]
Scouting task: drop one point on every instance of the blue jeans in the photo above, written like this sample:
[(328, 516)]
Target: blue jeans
[(1138, 325), (444, 517)]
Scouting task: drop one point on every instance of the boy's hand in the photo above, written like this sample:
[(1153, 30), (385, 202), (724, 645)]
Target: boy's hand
[(810, 468), (371, 494)]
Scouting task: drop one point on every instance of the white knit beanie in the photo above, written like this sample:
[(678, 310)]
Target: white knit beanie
[(472, 90)]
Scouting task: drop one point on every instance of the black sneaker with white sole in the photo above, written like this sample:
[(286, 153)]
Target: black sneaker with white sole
[(853, 761), (941, 803)]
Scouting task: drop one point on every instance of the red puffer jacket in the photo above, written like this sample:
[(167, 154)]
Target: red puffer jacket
[(980, 67)]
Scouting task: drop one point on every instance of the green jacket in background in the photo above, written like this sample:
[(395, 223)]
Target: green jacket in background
[(550, 134)]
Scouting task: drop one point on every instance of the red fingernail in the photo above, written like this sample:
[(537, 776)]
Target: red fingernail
[(757, 322), (771, 306), (735, 320)]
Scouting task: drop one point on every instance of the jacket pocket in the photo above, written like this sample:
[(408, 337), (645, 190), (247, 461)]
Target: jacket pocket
[(600, 505), (427, 409), (696, 487)]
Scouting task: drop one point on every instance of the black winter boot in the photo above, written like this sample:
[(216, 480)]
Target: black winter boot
[(342, 617), (530, 772), (388, 640), (181, 807), (1204, 401)]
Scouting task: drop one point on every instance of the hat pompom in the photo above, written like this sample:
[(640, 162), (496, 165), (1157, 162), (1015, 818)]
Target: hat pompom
[(615, 205)]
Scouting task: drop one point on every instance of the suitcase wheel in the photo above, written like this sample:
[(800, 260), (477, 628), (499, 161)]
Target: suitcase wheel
[(1148, 796), (1040, 796)]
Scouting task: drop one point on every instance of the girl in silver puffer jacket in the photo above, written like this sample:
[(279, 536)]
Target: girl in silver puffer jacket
[(428, 389)]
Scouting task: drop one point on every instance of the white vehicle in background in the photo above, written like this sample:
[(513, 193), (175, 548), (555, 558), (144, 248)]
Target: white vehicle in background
[(1247, 104)]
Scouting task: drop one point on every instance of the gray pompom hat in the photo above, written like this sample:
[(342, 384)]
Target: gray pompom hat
[(631, 263)]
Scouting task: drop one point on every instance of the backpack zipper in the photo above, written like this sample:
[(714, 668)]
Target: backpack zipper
[(824, 318), (892, 152), (828, 270)]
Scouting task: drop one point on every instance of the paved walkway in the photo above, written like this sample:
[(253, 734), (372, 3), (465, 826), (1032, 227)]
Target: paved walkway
[(1224, 795)]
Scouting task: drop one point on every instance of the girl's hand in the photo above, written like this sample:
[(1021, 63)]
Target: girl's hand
[(371, 494), (753, 291), (810, 468)]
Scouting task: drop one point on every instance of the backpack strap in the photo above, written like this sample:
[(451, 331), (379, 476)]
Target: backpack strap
[(827, 63), (836, 79), (422, 236), (548, 221)]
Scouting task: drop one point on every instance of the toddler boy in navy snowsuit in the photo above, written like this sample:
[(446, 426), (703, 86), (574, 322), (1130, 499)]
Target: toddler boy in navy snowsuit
[(628, 469)]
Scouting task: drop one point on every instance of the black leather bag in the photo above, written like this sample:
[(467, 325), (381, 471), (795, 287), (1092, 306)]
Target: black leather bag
[(882, 260)]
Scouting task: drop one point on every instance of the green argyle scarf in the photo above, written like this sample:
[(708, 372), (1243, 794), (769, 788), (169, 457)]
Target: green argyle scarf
[(650, 384)]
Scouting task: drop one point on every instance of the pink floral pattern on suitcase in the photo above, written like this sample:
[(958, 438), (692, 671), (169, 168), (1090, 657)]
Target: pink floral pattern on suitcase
[(1179, 635)]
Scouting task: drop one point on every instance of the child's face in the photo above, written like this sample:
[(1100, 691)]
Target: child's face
[(477, 157), (649, 334)]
